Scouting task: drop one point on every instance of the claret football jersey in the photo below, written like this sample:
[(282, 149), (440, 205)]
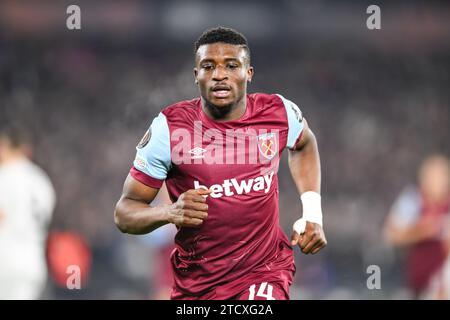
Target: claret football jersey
[(241, 240)]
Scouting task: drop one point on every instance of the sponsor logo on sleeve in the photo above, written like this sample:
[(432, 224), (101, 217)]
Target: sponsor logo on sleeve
[(145, 139), (140, 162), (298, 112)]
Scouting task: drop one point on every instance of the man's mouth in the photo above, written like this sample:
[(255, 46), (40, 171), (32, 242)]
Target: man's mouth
[(221, 91)]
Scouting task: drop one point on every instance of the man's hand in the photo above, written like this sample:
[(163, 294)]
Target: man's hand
[(312, 240), (190, 209)]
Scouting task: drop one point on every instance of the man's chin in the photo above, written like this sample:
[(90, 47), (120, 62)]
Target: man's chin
[(221, 103)]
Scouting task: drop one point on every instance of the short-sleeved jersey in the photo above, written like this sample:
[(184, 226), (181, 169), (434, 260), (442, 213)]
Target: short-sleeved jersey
[(241, 240)]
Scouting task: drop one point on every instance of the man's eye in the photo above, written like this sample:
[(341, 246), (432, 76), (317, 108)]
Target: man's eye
[(207, 67), (232, 66)]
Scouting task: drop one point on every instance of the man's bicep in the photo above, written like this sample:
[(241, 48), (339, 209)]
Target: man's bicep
[(136, 190), (305, 137)]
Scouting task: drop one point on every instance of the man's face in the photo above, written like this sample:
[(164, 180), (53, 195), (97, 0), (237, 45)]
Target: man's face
[(434, 177), (222, 72)]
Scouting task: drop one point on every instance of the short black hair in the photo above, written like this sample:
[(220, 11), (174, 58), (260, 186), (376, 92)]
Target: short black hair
[(225, 35)]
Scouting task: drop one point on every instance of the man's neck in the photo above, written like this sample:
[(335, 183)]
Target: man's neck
[(11, 157)]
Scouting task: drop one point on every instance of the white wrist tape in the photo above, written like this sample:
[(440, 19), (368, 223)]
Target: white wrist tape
[(312, 211)]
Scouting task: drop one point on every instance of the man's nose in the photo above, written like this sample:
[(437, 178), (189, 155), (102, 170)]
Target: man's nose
[(219, 73)]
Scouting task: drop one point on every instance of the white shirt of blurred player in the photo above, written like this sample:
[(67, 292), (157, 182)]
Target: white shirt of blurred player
[(27, 200)]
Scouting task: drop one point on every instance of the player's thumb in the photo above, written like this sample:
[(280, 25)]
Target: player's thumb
[(203, 191), (294, 238)]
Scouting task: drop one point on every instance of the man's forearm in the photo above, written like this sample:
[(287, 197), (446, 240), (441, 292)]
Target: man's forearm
[(405, 236), (304, 165), (134, 217)]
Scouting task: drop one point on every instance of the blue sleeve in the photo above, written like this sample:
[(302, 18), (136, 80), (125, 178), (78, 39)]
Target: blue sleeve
[(406, 209), (153, 152), (295, 121)]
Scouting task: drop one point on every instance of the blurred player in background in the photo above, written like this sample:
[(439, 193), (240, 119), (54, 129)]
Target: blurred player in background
[(219, 157), (27, 200), (419, 220)]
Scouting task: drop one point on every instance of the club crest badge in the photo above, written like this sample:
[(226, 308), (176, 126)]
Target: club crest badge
[(268, 145)]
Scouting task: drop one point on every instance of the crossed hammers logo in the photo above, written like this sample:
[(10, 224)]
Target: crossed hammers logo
[(267, 147)]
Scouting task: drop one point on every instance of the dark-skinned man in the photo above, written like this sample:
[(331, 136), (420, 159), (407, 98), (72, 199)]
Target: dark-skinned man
[(218, 155)]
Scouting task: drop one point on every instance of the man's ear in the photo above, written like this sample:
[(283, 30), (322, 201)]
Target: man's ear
[(250, 73), (195, 75)]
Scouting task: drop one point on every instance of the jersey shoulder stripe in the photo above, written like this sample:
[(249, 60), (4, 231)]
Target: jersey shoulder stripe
[(295, 121)]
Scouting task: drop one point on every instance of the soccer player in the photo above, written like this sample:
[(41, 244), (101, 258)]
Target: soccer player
[(27, 200), (419, 221), (219, 155)]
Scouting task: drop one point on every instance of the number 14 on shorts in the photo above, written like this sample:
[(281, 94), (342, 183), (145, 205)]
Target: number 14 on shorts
[(265, 290)]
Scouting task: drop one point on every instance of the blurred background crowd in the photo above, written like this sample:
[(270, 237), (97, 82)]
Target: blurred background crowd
[(377, 100)]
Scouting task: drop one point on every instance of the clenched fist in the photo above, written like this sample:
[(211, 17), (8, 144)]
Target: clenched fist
[(191, 209), (311, 240)]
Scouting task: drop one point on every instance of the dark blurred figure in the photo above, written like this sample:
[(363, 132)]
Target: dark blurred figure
[(27, 200), (419, 221)]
